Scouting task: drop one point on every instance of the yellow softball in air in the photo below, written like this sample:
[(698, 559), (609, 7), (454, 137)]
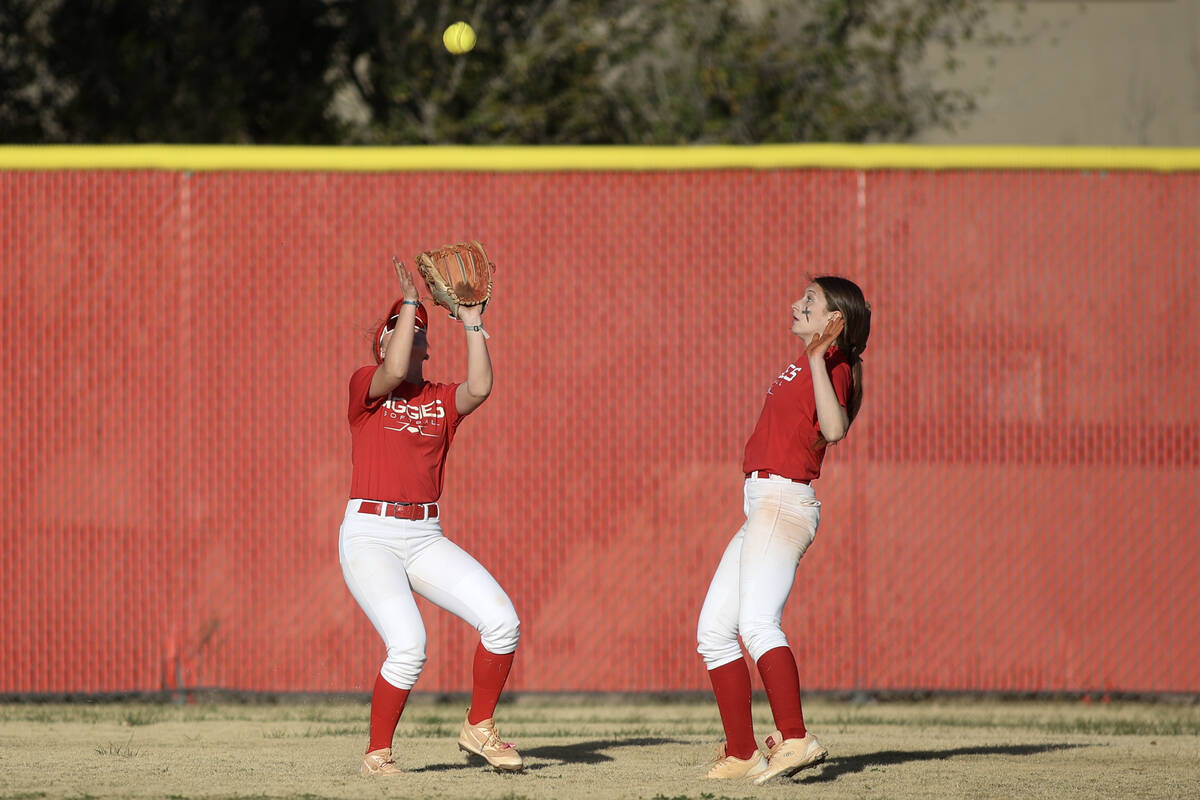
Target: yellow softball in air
[(459, 38)]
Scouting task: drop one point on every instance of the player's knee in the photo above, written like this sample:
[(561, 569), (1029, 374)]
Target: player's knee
[(761, 636), (404, 664), (501, 633), (717, 647)]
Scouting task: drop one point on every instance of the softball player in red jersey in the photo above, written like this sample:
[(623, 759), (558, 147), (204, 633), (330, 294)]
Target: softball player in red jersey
[(391, 544), (810, 404)]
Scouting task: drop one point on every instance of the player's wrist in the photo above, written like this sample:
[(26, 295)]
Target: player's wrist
[(408, 302)]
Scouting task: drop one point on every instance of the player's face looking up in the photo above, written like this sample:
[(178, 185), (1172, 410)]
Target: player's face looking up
[(810, 314), (420, 347)]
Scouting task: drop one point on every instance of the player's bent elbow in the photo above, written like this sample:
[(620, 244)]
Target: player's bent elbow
[(467, 401), (394, 375), (480, 389), (834, 435), (833, 430)]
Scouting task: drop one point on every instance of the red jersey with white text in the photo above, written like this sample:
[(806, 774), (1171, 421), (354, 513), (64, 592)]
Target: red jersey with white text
[(787, 439), (399, 441)]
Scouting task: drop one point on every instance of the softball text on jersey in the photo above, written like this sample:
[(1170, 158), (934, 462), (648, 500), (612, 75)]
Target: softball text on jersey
[(425, 415), (787, 438)]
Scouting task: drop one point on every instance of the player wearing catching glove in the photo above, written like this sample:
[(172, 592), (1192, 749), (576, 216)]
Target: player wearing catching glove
[(458, 276), (391, 544), (809, 405)]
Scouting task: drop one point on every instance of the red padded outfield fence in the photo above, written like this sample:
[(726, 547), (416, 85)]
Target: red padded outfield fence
[(1014, 510)]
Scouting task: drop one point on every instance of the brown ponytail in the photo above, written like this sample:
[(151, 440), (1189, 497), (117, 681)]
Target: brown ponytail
[(844, 296)]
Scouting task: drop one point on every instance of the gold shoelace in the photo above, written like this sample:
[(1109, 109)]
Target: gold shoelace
[(493, 739)]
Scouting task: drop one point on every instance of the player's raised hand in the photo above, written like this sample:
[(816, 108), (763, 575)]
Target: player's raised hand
[(819, 343), (408, 288), (471, 315)]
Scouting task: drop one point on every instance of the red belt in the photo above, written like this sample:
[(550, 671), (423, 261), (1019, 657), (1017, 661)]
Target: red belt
[(762, 473), (417, 511)]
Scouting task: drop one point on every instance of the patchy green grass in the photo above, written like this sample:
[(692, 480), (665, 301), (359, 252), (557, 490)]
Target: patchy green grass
[(642, 749), (123, 750)]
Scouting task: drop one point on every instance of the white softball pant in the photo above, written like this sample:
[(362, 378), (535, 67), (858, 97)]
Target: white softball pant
[(385, 560), (756, 571)]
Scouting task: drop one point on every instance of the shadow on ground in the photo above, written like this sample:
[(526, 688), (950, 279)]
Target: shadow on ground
[(835, 768), (556, 755)]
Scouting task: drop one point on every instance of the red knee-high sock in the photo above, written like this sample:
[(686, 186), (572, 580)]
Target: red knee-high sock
[(387, 704), (731, 685), (489, 673), (781, 679)]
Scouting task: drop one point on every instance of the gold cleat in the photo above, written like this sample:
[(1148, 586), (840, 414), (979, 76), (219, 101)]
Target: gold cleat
[(786, 757), (725, 767), (483, 740), (379, 762)]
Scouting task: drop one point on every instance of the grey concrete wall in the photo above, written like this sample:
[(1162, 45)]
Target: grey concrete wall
[(1098, 72)]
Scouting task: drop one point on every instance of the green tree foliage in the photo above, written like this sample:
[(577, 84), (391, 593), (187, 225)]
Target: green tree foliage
[(19, 94), (543, 72), (187, 71)]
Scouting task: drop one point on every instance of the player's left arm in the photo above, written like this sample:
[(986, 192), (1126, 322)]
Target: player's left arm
[(471, 393), (832, 416), (394, 368)]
